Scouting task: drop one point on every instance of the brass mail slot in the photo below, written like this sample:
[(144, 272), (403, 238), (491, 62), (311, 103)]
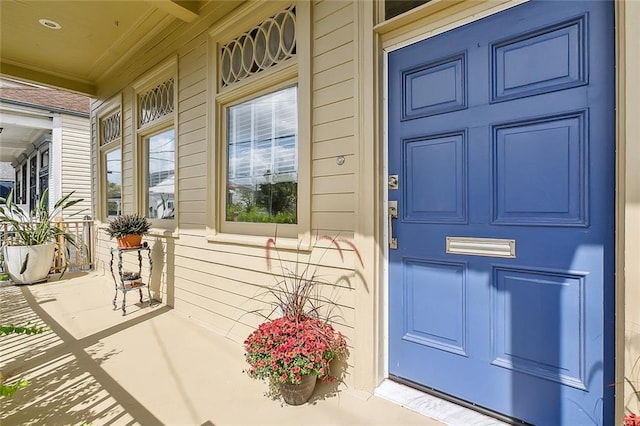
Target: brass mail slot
[(490, 247)]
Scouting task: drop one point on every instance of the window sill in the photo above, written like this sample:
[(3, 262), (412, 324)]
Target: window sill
[(259, 241), (164, 232)]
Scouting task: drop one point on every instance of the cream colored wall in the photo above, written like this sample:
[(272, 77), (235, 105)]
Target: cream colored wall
[(75, 164), (629, 208), (217, 283)]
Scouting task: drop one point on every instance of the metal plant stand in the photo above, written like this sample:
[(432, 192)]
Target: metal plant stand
[(119, 281)]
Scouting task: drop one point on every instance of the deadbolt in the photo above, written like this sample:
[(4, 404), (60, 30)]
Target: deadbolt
[(393, 181)]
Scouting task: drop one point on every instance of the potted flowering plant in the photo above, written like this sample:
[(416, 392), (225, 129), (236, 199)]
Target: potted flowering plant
[(631, 420), (293, 351), (289, 351)]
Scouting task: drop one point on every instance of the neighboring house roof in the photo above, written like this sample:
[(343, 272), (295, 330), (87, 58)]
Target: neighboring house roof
[(11, 90)]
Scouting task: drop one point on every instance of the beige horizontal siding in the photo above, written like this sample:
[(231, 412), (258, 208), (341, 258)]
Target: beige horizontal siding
[(334, 75), (337, 56), (332, 94), (333, 130), (331, 16), (333, 112), (333, 203), (333, 147), (199, 182), (329, 167), (329, 43), (333, 185)]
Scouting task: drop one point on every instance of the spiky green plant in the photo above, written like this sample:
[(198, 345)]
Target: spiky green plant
[(36, 227), (128, 224)]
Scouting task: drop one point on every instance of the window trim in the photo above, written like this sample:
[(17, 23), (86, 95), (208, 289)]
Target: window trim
[(164, 71), (295, 71), (108, 108)]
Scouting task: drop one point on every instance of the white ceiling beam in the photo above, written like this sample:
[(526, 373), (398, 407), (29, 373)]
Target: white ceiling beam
[(186, 11)]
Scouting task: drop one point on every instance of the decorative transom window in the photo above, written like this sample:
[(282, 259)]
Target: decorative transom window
[(156, 102), (271, 42), (111, 130)]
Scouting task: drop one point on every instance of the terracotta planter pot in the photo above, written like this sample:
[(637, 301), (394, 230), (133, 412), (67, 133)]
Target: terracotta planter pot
[(298, 394), (130, 241)]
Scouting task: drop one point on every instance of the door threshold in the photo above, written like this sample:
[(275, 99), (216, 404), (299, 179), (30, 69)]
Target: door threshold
[(432, 406)]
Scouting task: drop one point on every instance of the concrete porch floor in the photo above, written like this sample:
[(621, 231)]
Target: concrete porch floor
[(154, 366)]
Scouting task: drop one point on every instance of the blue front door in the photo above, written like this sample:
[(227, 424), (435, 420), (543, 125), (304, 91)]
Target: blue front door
[(501, 134)]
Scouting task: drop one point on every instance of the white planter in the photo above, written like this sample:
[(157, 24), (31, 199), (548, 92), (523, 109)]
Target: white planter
[(38, 265)]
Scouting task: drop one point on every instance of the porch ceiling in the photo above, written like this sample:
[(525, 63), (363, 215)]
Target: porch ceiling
[(95, 36)]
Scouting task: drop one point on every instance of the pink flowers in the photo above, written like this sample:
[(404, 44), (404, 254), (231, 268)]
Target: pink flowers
[(284, 350), (631, 420)]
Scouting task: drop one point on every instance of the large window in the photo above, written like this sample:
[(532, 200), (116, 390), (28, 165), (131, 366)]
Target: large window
[(262, 90), (110, 160), (156, 152), (262, 172), (160, 152)]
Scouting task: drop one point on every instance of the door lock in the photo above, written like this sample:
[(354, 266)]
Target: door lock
[(392, 214), (393, 181)]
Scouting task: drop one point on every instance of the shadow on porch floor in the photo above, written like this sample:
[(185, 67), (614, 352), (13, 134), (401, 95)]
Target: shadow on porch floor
[(151, 367)]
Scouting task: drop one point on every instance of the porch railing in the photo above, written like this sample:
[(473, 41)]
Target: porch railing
[(78, 258)]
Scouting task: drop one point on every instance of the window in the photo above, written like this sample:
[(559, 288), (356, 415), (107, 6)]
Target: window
[(156, 152), (17, 193), (6, 186), (33, 181), (110, 139), (113, 182), (262, 121), (160, 152), (23, 192), (393, 8), (44, 173), (262, 172)]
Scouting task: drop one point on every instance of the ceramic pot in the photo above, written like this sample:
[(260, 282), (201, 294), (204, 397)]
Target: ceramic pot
[(38, 262), (300, 393), (130, 241)]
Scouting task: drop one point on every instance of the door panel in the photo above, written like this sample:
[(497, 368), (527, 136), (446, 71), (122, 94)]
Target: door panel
[(503, 129)]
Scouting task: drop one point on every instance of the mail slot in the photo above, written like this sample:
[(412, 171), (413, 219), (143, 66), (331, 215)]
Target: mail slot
[(490, 247)]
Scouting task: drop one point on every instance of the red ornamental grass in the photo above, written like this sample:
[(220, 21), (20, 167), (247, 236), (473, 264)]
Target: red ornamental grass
[(296, 291), (266, 346)]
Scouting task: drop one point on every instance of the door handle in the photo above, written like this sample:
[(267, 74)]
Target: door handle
[(392, 214)]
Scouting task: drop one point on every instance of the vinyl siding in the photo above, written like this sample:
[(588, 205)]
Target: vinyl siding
[(75, 164)]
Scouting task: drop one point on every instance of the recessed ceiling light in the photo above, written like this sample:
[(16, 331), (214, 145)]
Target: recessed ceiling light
[(53, 25)]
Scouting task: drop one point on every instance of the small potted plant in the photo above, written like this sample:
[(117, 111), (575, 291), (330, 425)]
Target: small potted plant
[(131, 279), (29, 247), (293, 351), (128, 230)]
